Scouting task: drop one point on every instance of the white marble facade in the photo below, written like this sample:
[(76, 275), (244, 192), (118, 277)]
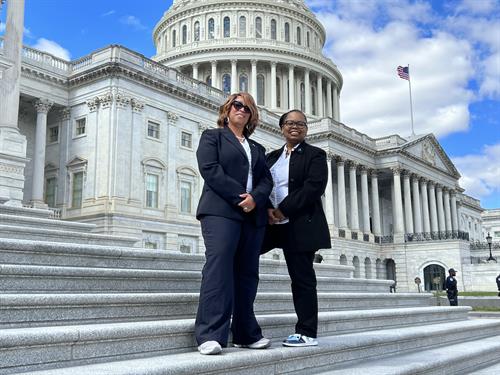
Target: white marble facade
[(112, 139)]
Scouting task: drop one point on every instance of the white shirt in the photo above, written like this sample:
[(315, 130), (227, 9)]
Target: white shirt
[(246, 147)]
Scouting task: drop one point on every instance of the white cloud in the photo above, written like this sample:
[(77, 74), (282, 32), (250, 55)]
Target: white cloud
[(53, 48), (108, 13), (133, 21), (480, 172), (2, 27)]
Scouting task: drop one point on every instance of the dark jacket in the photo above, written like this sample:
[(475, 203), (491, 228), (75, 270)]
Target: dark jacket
[(451, 284), (307, 179), (498, 282), (223, 164)]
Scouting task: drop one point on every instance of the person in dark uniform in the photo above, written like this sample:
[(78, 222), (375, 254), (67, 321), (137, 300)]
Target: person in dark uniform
[(498, 285), (233, 215), (451, 287), (297, 223)]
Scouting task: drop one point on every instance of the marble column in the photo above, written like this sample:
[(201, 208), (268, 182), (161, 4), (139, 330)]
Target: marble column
[(353, 193), (336, 103), (454, 211), (195, 70), (42, 108), (397, 205), (273, 85), (433, 207), (234, 76), (447, 209), (417, 208), (291, 87), (12, 142), (329, 104), (425, 207), (214, 74), (375, 205), (253, 90), (319, 93), (341, 193), (307, 84), (365, 205), (408, 208), (440, 208), (329, 195)]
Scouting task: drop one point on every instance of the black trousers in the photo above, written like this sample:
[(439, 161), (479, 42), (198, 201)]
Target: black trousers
[(301, 271), (229, 283), (452, 297)]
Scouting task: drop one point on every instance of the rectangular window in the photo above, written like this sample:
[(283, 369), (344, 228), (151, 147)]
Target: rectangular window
[(496, 234), (186, 140), (185, 197), (80, 126), (53, 134), (151, 190), (77, 190), (150, 244), (153, 130), (50, 191)]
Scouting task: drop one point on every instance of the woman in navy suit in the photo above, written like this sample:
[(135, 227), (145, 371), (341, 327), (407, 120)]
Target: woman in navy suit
[(232, 212), (297, 222)]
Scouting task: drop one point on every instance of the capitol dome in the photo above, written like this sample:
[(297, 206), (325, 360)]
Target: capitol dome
[(259, 46)]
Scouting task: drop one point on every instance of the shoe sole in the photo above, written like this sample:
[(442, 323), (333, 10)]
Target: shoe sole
[(213, 351), (252, 347), (299, 345)]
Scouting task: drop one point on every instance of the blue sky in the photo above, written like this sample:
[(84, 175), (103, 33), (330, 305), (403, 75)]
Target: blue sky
[(452, 47)]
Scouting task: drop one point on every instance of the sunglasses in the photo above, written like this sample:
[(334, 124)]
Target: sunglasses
[(239, 106)]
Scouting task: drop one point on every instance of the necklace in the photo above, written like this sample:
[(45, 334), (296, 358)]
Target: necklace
[(241, 139)]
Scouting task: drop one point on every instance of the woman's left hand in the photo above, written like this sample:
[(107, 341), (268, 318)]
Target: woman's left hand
[(247, 204)]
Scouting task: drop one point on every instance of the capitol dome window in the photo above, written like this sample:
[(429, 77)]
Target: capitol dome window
[(273, 29), (313, 100), (260, 89), (243, 82), (308, 40), (258, 27), (211, 28), (196, 31), (184, 34), (302, 96), (287, 32), (243, 27), (227, 27), (299, 36), (278, 92), (208, 81), (174, 37), (226, 83)]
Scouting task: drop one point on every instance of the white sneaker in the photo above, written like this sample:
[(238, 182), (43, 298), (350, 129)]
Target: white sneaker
[(210, 347), (299, 340), (263, 343)]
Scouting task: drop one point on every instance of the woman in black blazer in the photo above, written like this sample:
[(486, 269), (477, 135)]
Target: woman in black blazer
[(232, 212), (297, 223)]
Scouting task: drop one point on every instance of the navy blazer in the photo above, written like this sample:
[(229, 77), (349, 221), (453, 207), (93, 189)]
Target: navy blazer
[(223, 164), (307, 179)]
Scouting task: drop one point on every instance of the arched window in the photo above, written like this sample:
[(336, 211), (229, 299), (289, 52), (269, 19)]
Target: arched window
[(208, 81), (243, 27), (343, 260), (302, 97), (261, 89), (226, 83), (299, 36), (258, 27), (390, 269), (313, 100), (243, 82), (355, 263), (184, 34), (434, 277), (278, 92), (174, 37), (227, 27), (287, 32), (308, 40), (196, 31), (211, 28), (273, 29), (368, 268), (379, 269)]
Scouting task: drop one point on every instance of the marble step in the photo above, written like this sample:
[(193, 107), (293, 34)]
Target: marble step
[(490, 369), (333, 353), (30, 310), (15, 278), (34, 348), (44, 223), (63, 236), (13, 251)]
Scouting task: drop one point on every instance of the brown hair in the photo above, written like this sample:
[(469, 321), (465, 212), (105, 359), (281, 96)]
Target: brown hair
[(225, 108)]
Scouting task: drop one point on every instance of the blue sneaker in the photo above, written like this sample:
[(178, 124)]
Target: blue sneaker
[(299, 340)]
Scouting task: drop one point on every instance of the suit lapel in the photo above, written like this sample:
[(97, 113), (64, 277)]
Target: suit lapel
[(228, 134), (254, 151)]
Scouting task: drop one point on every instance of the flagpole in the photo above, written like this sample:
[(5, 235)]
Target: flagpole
[(411, 104)]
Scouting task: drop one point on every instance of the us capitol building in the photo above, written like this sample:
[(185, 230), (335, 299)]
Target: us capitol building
[(111, 138)]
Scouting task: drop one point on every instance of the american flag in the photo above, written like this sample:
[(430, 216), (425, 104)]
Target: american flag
[(404, 72)]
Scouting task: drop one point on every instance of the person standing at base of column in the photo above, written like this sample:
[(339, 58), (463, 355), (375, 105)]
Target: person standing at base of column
[(232, 212), (498, 285), (297, 222), (451, 287)]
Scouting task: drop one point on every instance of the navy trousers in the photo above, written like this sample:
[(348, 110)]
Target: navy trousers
[(229, 281)]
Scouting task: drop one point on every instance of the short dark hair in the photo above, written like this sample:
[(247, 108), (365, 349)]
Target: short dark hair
[(285, 115)]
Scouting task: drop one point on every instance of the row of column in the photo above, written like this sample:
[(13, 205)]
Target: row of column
[(331, 109)]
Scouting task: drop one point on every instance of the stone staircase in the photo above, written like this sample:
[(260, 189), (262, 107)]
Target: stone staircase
[(75, 302)]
